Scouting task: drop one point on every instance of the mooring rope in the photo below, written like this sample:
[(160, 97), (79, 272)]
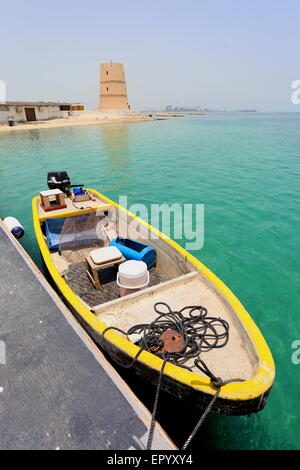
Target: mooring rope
[(153, 417), (218, 384), (199, 333)]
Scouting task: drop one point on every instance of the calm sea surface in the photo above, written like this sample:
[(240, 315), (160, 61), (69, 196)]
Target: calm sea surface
[(245, 169)]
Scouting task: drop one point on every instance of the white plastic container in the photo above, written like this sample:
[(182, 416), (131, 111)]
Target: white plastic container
[(133, 276)]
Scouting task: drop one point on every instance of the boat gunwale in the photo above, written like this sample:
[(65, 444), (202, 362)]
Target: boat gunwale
[(256, 386)]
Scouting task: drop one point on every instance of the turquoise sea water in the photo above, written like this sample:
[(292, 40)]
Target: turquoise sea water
[(245, 169)]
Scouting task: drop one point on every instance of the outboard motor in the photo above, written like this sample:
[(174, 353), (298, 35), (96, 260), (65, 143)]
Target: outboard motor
[(59, 180)]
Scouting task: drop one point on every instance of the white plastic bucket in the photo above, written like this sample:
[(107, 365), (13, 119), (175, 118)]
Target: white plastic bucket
[(133, 276)]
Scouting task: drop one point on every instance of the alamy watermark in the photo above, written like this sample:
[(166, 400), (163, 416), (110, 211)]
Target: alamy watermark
[(296, 94), (2, 92), (2, 353), (181, 222), (296, 354)]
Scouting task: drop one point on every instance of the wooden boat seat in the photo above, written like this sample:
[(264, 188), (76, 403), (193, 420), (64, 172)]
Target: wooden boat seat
[(148, 292)]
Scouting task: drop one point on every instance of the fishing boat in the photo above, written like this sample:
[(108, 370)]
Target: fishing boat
[(72, 224)]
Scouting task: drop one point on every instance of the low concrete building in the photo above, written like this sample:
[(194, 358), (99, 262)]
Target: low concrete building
[(22, 111)]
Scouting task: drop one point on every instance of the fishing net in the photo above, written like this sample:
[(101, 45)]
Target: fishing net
[(81, 233)]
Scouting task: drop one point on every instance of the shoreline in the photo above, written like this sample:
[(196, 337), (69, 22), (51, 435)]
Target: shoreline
[(81, 118)]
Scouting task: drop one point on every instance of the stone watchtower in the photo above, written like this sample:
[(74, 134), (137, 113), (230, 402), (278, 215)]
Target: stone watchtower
[(113, 93)]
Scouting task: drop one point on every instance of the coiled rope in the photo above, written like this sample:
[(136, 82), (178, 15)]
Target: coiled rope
[(200, 333)]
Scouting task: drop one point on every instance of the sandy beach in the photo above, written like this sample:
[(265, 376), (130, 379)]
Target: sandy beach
[(80, 118)]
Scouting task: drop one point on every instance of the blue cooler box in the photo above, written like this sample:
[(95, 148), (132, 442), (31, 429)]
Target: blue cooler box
[(132, 249)]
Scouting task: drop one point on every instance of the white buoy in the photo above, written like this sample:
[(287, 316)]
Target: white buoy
[(14, 226)]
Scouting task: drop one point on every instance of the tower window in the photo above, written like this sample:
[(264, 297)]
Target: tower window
[(106, 72), (107, 88)]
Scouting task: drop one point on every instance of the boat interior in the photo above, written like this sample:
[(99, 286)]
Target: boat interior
[(173, 279)]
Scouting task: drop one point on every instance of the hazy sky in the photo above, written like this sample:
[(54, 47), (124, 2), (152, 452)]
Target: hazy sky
[(223, 53)]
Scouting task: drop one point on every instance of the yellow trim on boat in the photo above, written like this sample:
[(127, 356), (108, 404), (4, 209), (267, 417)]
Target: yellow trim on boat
[(252, 388)]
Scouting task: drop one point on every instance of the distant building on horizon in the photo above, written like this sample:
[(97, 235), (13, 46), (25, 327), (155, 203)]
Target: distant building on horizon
[(185, 109), (246, 111), (113, 91)]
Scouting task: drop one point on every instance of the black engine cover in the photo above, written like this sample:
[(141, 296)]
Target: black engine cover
[(59, 180)]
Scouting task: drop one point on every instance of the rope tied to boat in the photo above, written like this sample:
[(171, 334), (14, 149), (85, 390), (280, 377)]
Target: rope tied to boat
[(186, 337), (218, 383)]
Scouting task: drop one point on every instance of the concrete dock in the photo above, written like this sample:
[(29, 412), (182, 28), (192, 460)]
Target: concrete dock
[(57, 391)]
